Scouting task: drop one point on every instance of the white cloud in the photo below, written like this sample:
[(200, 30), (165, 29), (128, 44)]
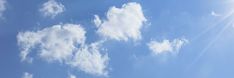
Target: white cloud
[(90, 60), (97, 21), (233, 25), (122, 23), (72, 76), (166, 46), (27, 75), (213, 13), (55, 43), (52, 8), (66, 44), (2, 7)]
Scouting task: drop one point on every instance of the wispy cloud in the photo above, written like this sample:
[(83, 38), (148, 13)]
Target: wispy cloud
[(71, 76), (166, 46), (122, 23), (27, 75), (2, 7), (213, 13), (52, 8), (97, 21)]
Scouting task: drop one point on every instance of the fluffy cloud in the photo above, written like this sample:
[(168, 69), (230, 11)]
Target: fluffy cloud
[(122, 23), (65, 44), (2, 7), (27, 75), (52, 8), (90, 60), (166, 46), (55, 43)]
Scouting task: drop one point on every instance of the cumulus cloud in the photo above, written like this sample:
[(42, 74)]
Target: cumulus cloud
[(166, 46), (2, 6), (90, 60), (55, 43), (27, 75), (64, 43), (122, 23), (52, 8)]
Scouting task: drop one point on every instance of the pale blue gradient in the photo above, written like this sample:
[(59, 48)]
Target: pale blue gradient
[(209, 53)]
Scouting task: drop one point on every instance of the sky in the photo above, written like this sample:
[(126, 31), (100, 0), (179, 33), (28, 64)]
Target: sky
[(116, 38)]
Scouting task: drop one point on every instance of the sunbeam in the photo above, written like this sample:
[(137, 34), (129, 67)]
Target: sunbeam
[(204, 50), (212, 26)]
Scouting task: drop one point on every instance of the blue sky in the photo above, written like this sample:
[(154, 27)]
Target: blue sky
[(116, 39)]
